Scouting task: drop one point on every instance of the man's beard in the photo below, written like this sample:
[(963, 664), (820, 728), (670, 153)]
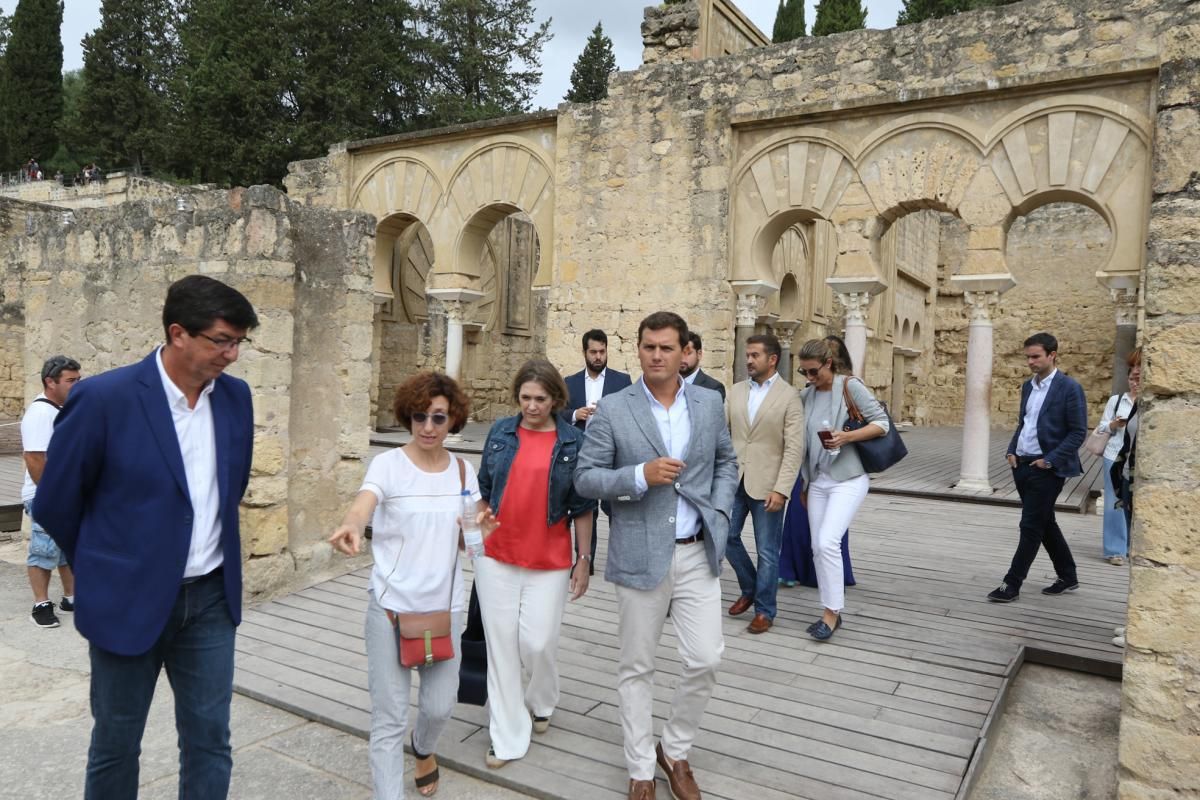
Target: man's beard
[(684, 372), (598, 369)]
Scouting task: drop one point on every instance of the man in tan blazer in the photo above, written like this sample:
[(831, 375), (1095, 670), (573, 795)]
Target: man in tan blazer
[(766, 421)]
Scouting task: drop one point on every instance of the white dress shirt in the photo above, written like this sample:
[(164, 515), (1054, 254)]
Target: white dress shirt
[(758, 393), (1027, 442), (692, 378), (593, 388), (675, 428), (198, 445)]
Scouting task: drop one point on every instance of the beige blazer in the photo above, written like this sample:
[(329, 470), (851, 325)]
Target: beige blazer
[(770, 451)]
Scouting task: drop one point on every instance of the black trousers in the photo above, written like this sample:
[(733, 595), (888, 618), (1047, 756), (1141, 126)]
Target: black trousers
[(1039, 490)]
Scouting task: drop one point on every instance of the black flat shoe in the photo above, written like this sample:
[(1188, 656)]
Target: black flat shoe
[(822, 632)]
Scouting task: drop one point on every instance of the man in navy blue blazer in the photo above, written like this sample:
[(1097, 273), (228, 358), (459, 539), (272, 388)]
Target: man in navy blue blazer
[(141, 490), (584, 390), (1043, 453)]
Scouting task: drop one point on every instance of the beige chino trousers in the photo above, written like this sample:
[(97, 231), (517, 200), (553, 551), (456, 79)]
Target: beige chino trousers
[(693, 595)]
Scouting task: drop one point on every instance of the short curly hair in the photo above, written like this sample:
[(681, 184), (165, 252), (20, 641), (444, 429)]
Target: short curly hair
[(416, 393), (546, 375)]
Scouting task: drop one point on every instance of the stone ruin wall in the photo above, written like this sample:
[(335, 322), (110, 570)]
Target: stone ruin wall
[(92, 287), (117, 188)]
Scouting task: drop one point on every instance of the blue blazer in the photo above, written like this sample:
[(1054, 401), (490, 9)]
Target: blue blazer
[(1062, 424), (114, 497), (614, 381)]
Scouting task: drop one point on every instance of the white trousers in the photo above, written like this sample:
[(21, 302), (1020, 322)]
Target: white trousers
[(388, 684), (831, 507), (522, 615), (693, 595)]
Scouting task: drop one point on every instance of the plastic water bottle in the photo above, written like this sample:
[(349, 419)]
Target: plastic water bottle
[(472, 535), (825, 433)]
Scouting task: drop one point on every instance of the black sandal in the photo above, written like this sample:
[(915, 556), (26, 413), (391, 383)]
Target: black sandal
[(424, 781)]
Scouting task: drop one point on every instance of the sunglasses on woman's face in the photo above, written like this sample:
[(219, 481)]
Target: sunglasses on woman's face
[(439, 419), (812, 373)]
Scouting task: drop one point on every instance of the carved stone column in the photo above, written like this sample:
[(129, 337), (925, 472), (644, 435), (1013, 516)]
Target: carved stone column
[(855, 332), (785, 329), (1125, 340), (751, 301), (980, 293), (455, 301)]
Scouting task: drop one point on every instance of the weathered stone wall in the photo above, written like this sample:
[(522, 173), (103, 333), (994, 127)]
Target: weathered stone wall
[(119, 187), (1160, 724), (12, 369), (93, 284)]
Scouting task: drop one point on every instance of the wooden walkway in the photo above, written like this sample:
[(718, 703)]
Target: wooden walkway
[(12, 478), (895, 706), (934, 458)]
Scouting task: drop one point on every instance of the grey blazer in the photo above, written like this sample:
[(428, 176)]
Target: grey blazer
[(847, 464), (623, 434)]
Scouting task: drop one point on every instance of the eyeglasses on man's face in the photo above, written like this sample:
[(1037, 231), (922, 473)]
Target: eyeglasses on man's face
[(226, 343), (437, 418)]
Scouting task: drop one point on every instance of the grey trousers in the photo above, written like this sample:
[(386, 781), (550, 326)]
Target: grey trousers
[(389, 685)]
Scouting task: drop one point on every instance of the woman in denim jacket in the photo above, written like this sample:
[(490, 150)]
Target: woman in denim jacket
[(526, 476)]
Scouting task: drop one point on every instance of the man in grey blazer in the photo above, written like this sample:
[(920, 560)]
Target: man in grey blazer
[(659, 451)]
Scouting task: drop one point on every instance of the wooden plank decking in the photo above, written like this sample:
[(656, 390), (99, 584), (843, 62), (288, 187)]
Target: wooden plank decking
[(893, 707), (933, 462)]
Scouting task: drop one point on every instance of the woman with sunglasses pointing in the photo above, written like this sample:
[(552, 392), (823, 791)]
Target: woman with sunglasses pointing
[(526, 475), (832, 471), (414, 496)]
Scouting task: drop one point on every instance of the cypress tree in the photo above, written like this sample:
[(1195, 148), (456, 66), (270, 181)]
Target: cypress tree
[(482, 58), (5, 162), (589, 76), (128, 65), (838, 16), (32, 84), (789, 21), (921, 10)]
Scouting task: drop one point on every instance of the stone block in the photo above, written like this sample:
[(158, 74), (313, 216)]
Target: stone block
[(269, 454), (1163, 617), (1167, 525), (1176, 141), (264, 530), (1160, 756), (267, 574), (1172, 353), (1154, 688)]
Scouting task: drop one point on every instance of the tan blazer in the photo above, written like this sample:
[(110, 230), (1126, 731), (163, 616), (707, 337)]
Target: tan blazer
[(770, 451)]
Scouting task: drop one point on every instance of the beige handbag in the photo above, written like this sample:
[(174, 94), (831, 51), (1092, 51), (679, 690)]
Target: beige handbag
[(1097, 440)]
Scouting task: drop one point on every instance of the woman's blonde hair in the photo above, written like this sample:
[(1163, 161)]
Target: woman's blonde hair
[(819, 350)]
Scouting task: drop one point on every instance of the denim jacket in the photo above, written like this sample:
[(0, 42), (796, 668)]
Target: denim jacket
[(500, 450)]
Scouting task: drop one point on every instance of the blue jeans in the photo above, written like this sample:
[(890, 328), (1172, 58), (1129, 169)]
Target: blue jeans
[(196, 647), (1116, 532), (44, 553), (761, 584)]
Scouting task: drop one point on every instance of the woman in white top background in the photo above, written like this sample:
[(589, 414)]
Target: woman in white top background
[(413, 497), (1119, 421)]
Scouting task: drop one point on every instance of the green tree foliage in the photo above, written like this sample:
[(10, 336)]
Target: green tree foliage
[(838, 16), (921, 10), (76, 147), (354, 74), (482, 58), (589, 76), (789, 21), (5, 23), (234, 93), (31, 100), (128, 65)]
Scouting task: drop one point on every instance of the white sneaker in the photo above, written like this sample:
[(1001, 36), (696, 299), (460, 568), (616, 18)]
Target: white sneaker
[(1118, 641), (1119, 630)]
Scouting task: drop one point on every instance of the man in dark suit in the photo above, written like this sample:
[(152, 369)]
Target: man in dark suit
[(141, 489), (595, 380), (690, 370), (1043, 453), (584, 390)]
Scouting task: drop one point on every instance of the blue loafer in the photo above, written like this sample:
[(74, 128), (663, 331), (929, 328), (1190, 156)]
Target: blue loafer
[(822, 632)]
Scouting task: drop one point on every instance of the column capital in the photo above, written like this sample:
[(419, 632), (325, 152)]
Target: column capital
[(1126, 302), (785, 329), (979, 305), (751, 300), (855, 304)]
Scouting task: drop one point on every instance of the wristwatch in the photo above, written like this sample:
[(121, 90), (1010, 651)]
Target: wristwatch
[(586, 557)]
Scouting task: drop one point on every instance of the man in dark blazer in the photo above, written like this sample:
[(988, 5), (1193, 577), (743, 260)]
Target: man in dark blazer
[(595, 380), (143, 480), (690, 370), (1043, 453), (584, 390)]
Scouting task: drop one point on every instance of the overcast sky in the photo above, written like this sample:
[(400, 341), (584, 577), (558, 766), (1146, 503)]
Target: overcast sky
[(573, 21)]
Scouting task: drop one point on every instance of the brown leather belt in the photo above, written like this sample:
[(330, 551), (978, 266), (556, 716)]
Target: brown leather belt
[(699, 537)]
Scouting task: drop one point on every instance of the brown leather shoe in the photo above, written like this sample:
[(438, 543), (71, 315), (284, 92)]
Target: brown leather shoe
[(740, 605), (760, 624), (641, 790), (679, 777)]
